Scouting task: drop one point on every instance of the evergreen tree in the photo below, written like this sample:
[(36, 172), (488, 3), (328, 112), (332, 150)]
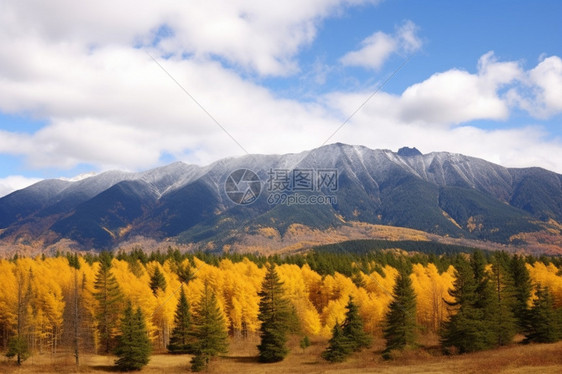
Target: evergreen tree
[(304, 343), (466, 329), (180, 339), (109, 299), (483, 292), (352, 328), (523, 287), (400, 329), (133, 345), (157, 281), (211, 336), (543, 325), (17, 347), (184, 272), (339, 346), (503, 324), (274, 313)]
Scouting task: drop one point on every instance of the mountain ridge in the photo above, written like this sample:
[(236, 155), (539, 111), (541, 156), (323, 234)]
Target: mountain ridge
[(441, 193)]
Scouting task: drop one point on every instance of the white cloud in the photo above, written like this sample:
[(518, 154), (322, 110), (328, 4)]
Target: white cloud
[(15, 182), (378, 47), (374, 52), (261, 36), (408, 40), (115, 108), (107, 104), (456, 96), (435, 115), (542, 94)]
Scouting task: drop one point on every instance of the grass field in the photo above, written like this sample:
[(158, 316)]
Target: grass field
[(543, 358)]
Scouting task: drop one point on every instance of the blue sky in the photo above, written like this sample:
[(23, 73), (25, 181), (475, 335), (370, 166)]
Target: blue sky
[(99, 90)]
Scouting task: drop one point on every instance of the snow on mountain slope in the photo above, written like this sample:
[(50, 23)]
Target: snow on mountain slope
[(439, 192)]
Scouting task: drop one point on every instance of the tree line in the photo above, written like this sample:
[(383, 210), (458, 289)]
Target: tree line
[(133, 303)]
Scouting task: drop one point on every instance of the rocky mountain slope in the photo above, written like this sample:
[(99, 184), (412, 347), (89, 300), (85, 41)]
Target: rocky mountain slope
[(439, 193)]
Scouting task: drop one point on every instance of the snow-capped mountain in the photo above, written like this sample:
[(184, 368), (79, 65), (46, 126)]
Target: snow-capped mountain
[(442, 193)]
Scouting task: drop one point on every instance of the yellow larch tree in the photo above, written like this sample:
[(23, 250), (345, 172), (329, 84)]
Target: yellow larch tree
[(48, 277), (547, 276), (8, 299), (297, 293), (242, 282), (431, 290)]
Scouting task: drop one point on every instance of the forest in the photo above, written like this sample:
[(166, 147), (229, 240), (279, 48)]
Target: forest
[(194, 303)]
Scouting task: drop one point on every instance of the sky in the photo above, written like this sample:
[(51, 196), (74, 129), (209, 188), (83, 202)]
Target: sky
[(131, 85)]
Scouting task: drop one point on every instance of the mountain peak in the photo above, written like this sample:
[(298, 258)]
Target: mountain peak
[(409, 152), (440, 193)]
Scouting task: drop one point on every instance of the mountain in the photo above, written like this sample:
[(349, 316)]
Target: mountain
[(333, 192)]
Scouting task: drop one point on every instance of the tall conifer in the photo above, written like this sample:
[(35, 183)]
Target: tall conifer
[(400, 329), (109, 299), (157, 281), (544, 326), (133, 345), (180, 341), (502, 323), (338, 346), (466, 329), (274, 314), (210, 334), (523, 287), (352, 328)]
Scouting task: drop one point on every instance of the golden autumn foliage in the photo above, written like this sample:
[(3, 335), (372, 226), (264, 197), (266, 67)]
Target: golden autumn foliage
[(547, 276), (319, 300)]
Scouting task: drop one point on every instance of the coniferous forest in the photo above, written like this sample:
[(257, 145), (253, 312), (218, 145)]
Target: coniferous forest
[(133, 304)]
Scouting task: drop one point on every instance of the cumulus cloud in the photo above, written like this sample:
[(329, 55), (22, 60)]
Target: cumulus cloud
[(457, 96), (436, 115), (117, 108), (254, 34), (542, 97), (378, 47)]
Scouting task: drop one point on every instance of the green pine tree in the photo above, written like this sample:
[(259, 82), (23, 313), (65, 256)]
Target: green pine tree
[(544, 324), (133, 346), (400, 329), (109, 299), (17, 347), (184, 272), (210, 334), (466, 329), (157, 281), (352, 328), (339, 346), (180, 341), (523, 287), (274, 313), (499, 314), (483, 293), (304, 343)]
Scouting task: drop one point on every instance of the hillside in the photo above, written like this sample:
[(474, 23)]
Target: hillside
[(265, 201)]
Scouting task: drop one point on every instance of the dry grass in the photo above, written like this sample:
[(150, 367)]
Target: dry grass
[(516, 359)]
